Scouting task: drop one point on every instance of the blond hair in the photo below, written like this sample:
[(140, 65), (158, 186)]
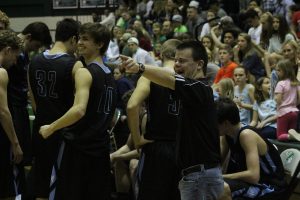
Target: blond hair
[(9, 38), (227, 87), (4, 19)]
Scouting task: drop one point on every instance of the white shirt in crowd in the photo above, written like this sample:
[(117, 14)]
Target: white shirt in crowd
[(144, 57), (255, 33)]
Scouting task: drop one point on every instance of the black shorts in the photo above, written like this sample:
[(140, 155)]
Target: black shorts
[(159, 175), (244, 190), (81, 176), (7, 177), (21, 122), (45, 154)]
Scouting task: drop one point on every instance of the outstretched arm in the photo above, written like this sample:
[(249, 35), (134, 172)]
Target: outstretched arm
[(158, 75)]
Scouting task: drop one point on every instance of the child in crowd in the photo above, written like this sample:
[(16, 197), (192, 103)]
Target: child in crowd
[(243, 95), (246, 54), (287, 92), (208, 43), (289, 51), (281, 34), (227, 65), (226, 88), (264, 109)]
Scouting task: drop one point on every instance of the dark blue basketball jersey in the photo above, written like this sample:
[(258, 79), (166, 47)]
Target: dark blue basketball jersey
[(162, 113), (52, 85), (90, 134)]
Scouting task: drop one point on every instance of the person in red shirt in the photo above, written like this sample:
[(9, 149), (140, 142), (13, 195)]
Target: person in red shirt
[(296, 23), (227, 65)]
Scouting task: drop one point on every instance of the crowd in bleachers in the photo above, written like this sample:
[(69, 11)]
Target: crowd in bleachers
[(256, 37)]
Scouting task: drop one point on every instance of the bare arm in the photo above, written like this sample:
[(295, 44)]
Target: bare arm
[(249, 144), (266, 121), (278, 98), (158, 75), (254, 118), (31, 97), (83, 81), (252, 99), (298, 71), (236, 50), (76, 66), (261, 52), (224, 148), (135, 102), (6, 119), (267, 64), (218, 43)]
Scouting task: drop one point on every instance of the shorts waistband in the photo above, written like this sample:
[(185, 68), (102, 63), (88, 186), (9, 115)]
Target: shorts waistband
[(198, 168)]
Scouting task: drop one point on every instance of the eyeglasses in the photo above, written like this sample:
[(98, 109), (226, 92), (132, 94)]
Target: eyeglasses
[(182, 60)]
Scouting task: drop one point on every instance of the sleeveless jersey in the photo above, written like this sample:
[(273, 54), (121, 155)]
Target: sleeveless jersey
[(271, 168), (52, 85), (90, 134), (17, 87), (162, 116)]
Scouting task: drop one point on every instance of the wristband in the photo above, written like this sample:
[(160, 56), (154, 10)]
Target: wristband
[(141, 68)]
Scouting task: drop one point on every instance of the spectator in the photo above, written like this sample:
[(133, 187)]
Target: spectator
[(138, 54), (157, 37), (253, 21), (214, 6), (281, 34), (243, 95), (227, 65), (207, 26), (264, 109), (167, 29), (4, 21), (246, 54), (193, 18), (287, 94), (178, 26)]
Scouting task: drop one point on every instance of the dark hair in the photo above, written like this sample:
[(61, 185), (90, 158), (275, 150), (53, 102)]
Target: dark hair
[(267, 30), (258, 90), (66, 29), (211, 41), (288, 70), (227, 110), (251, 13), (39, 31), (9, 38), (240, 66), (283, 27), (235, 34), (99, 33), (198, 52)]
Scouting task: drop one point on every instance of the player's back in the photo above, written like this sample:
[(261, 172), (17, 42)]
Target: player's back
[(89, 134), (52, 85), (163, 113)]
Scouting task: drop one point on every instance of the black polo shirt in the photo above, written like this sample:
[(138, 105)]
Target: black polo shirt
[(198, 136)]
